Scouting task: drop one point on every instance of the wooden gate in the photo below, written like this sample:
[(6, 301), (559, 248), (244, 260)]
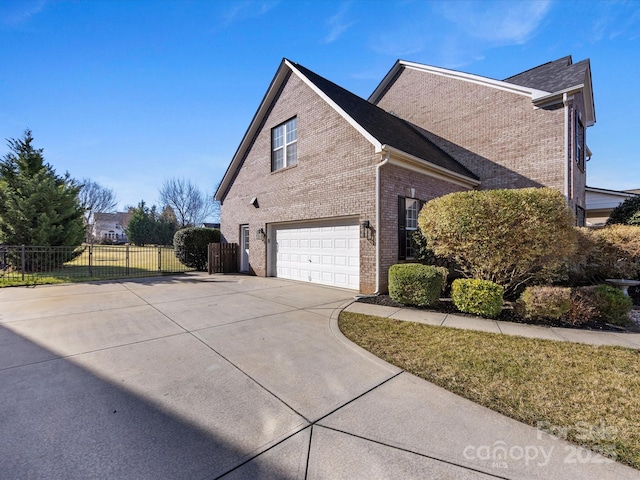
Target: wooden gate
[(223, 258)]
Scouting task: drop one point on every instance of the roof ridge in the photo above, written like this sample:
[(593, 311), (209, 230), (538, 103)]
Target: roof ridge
[(389, 119), (569, 57)]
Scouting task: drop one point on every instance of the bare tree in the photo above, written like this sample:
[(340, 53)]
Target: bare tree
[(190, 206), (94, 198)]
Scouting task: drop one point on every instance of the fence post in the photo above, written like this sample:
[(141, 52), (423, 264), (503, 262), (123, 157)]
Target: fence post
[(22, 263), (91, 260), (159, 258), (126, 268)]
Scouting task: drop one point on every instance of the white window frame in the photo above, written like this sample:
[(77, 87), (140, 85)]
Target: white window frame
[(287, 146), (411, 209)]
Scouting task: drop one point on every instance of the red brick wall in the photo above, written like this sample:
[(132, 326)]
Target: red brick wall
[(498, 135), (334, 177), (398, 181)]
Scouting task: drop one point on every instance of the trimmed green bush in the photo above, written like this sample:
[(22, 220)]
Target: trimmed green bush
[(480, 297), (511, 237), (627, 213), (190, 245), (544, 302), (613, 305), (415, 284)]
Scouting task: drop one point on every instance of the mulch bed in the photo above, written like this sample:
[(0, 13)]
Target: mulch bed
[(508, 315)]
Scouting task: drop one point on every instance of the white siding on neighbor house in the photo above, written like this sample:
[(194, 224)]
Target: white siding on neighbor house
[(327, 254)]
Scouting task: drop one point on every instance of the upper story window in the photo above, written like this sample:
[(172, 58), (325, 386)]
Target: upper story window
[(579, 141), (284, 145), (408, 209)]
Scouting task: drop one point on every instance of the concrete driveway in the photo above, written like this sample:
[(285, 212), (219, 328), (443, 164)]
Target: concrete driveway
[(202, 377)]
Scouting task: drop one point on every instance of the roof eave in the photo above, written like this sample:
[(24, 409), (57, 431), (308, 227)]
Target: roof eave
[(272, 91), (429, 168), (477, 79), (555, 97)]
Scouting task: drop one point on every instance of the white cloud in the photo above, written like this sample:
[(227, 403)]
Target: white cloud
[(241, 10), (501, 22), (616, 19), (338, 24), (14, 14)]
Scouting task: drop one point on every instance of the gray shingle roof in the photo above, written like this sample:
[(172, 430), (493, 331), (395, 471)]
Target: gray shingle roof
[(384, 127), (553, 76)]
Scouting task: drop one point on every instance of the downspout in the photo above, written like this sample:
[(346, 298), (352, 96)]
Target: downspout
[(567, 160), (378, 222)]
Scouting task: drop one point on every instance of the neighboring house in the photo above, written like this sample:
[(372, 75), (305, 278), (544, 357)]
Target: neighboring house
[(110, 227), (210, 225), (601, 202), (326, 186)]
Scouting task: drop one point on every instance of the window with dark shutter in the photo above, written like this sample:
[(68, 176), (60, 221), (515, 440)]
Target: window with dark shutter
[(408, 209), (402, 233)]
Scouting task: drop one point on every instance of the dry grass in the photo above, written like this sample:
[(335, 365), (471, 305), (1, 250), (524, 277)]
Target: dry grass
[(590, 393), (106, 262)]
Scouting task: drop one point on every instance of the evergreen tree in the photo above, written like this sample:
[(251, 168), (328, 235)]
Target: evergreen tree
[(147, 227), (141, 229), (37, 207), (167, 226), (627, 213)]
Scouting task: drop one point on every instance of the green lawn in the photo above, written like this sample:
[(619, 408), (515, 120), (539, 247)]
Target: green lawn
[(104, 262), (589, 395)]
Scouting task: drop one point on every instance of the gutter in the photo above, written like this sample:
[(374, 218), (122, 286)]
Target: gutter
[(567, 160), (378, 223), (428, 168)]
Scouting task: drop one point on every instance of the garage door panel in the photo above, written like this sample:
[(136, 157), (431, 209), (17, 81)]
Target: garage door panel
[(326, 254)]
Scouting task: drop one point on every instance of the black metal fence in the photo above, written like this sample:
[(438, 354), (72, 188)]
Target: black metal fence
[(24, 263)]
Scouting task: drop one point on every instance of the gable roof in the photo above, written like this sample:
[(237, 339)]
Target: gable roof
[(544, 84), (553, 76), (386, 132), (386, 128)]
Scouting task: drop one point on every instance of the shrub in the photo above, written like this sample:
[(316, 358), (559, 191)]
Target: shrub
[(544, 302), (415, 284), (626, 212), (444, 271), (613, 305), (510, 237), (190, 245), (583, 308), (481, 297), (610, 252)]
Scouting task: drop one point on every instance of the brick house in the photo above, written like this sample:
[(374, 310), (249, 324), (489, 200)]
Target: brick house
[(326, 186), (528, 130)]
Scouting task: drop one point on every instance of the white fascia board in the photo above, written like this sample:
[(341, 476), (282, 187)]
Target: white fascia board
[(269, 97), (547, 98), (411, 162), (608, 191), (374, 141), (477, 79)]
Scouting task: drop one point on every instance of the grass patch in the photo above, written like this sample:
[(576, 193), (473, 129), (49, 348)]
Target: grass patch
[(105, 262), (589, 395)]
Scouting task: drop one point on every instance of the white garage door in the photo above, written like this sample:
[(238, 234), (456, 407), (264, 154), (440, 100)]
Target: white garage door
[(326, 253)]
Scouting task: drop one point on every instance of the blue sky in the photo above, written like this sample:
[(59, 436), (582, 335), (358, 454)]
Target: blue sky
[(130, 93)]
